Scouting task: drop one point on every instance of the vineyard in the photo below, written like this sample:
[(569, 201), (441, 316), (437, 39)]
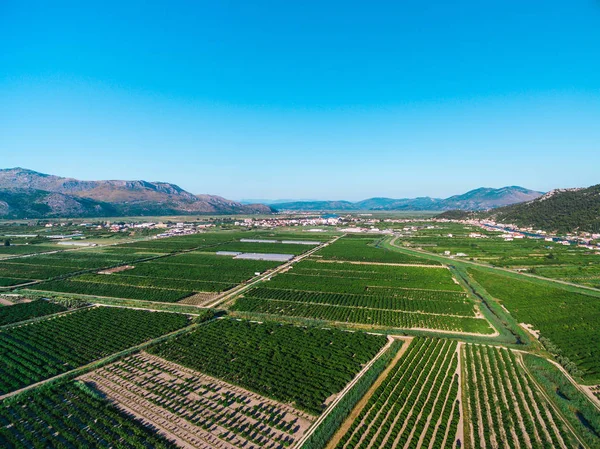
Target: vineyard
[(417, 405), (304, 366), (505, 405), (37, 420), (192, 408), (38, 351), (28, 310), (568, 321)]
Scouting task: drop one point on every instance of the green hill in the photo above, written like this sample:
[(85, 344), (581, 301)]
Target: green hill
[(562, 210)]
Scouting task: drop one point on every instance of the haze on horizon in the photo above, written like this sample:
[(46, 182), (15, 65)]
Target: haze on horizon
[(320, 100)]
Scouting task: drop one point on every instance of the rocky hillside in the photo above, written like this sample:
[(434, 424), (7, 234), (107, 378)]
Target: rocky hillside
[(29, 194), (561, 210), (478, 199)]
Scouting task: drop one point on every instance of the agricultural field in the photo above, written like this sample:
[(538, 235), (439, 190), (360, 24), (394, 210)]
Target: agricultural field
[(194, 409), (28, 310), (40, 267), (368, 294), (531, 255), (260, 247), (37, 420), (505, 405), (417, 405), (38, 351), (166, 279), (568, 321), (303, 366), (361, 248)]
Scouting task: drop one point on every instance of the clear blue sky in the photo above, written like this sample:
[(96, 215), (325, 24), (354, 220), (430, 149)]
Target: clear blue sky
[(304, 99)]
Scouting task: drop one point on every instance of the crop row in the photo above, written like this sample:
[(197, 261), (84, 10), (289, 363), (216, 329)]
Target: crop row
[(28, 310), (405, 300), (568, 321), (376, 317), (505, 405), (38, 351), (365, 250), (71, 416), (287, 363), (206, 406), (416, 406)]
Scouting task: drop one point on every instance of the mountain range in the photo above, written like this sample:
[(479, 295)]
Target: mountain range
[(478, 199), (28, 194)]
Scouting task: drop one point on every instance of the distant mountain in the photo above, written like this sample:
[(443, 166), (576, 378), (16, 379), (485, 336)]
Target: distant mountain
[(561, 210), (478, 199), (29, 194), (269, 202)]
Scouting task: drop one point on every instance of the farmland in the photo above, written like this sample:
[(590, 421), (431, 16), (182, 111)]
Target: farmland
[(417, 405), (373, 294), (248, 380), (37, 420), (363, 249), (509, 407), (38, 351), (28, 310), (168, 279), (531, 255), (201, 410), (287, 363), (568, 321)]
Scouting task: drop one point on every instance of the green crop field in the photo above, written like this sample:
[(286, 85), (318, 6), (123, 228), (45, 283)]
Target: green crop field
[(505, 405), (532, 255), (565, 319), (38, 420), (368, 294), (168, 279), (253, 380), (28, 310), (287, 363), (417, 405), (38, 351), (363, 249)]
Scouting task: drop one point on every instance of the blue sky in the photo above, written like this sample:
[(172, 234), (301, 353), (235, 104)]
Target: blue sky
[(311, 99)]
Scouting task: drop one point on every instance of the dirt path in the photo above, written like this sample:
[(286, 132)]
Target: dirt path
[(549, 401), (5, 302), (365, 399), (346, 389)]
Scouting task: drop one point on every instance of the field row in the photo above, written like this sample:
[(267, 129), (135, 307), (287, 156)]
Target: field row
[(297, 365), (416, 406), (34, 352), (568, 321), (505, 406), (192, 408)]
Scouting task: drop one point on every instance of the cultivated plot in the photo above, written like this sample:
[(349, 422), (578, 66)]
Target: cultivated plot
[(368, 294), (362, 248), (38, 351), (196, 410), (505, 407), (568, 321), (303, 366), (38, 420), (416, 406)]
